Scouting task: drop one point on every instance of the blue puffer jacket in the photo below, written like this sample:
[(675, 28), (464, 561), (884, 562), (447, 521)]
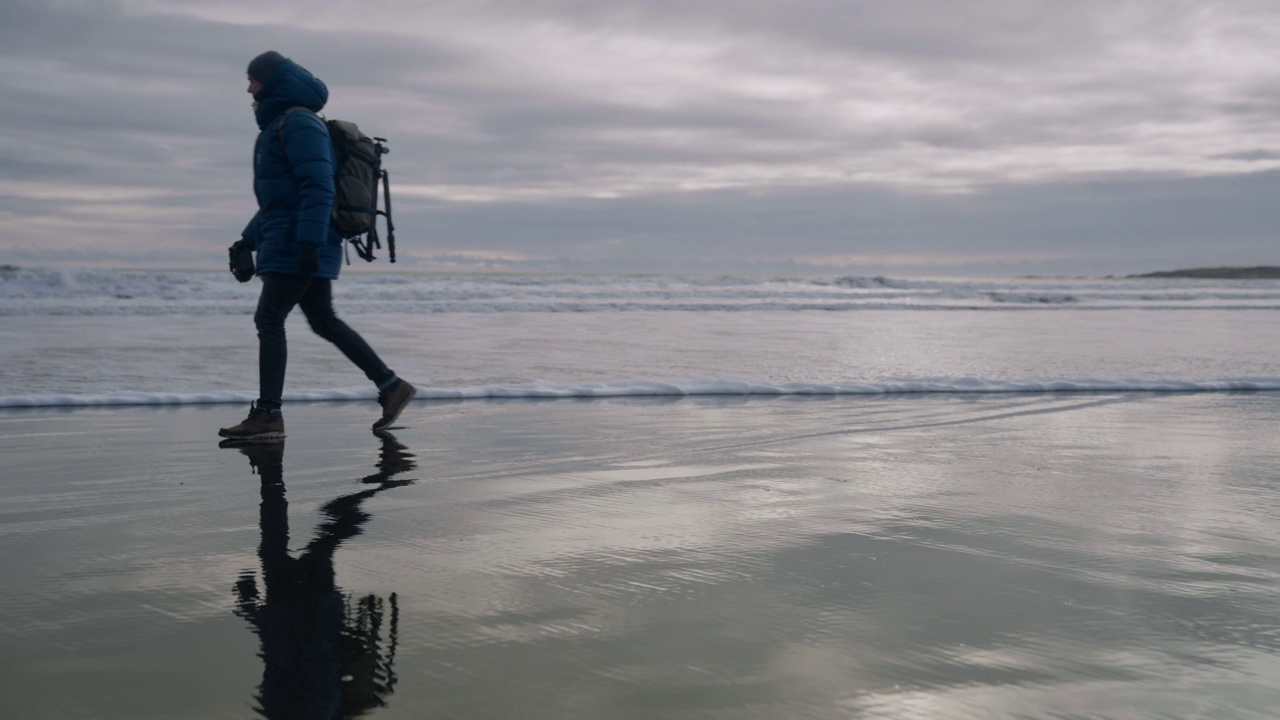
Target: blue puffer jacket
[(293, 176)]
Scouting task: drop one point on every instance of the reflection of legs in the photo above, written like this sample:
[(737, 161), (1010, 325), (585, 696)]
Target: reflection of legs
[(323, 653), (344, 515), (299, 622), (273, 519), (273, 551), (317, 305), (280, 293), (393, 459)]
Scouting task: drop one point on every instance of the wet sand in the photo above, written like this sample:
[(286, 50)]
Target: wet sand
[(1072, 555)]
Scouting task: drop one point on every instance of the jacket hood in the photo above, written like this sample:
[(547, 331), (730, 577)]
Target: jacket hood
[(291, 85)]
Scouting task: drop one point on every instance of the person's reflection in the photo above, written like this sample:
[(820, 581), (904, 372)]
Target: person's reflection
[(324, 652)]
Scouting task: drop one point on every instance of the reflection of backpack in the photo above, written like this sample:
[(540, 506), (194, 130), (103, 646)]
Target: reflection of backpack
[(356, 173)]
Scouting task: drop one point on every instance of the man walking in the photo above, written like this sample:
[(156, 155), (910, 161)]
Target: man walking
[(299, 254)]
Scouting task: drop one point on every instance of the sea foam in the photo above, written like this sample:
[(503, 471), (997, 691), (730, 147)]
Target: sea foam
[(692, 388)]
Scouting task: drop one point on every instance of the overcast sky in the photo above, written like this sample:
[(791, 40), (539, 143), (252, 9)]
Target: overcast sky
[(777, 136)]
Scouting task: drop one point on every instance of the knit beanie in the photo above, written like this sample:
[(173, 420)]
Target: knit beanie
[(261, 67)]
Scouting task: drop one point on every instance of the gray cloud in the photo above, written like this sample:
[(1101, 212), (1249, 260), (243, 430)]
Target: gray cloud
[(764, 136), (1076, 228)]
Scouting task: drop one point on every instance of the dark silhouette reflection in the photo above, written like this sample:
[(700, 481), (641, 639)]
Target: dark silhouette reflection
[(326, 654)]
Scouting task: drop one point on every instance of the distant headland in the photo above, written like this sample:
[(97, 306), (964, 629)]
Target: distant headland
[(1219, 273)]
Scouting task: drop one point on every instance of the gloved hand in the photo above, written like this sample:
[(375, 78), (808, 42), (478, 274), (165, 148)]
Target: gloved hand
[(307, 264), (241, 260)]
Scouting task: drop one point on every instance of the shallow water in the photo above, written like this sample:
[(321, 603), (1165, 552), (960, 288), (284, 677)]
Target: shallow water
[(1030, 556), (44, 356), (177, 337)]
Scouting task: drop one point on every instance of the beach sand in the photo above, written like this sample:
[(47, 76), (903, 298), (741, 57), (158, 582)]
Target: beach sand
[(1040, 555)]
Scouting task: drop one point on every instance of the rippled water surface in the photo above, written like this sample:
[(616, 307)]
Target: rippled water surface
[(1031, 556), (46, 356)]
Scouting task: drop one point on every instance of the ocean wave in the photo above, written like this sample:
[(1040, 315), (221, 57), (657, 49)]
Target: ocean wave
[(97, 292), (879, 281), (18, 283), (1032, 298), (693, 388)]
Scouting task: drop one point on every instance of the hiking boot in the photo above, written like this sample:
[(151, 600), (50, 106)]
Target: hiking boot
[(393, 401), (262, 424)]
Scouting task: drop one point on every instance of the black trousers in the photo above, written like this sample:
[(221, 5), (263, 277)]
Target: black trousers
[(280, 293)]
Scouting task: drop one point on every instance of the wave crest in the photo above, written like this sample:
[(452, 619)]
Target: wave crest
[(693, 388)]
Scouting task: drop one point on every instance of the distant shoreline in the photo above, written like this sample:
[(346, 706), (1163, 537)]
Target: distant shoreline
[(1219, 273)]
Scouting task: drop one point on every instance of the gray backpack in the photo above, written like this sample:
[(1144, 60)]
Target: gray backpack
[(356, 174)]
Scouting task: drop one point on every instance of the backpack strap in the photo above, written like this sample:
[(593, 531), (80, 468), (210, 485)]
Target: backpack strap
[(285, 116), (391, 228)]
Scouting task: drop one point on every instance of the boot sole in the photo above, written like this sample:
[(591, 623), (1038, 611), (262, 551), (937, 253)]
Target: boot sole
[(259, 437), (246, 442)]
